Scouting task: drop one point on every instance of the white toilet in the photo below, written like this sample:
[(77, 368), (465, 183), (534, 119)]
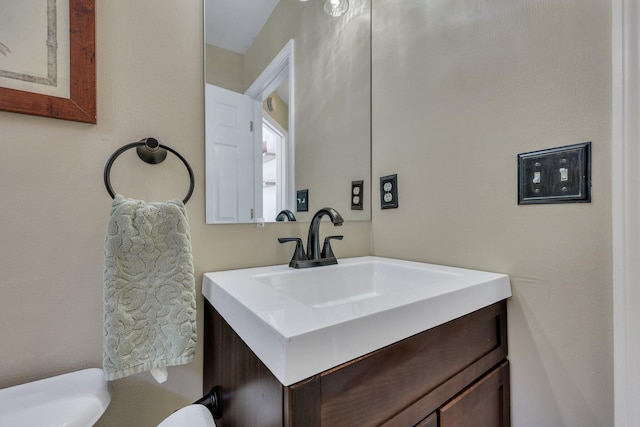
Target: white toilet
[(190, 416), (199, 414), (76, 399)]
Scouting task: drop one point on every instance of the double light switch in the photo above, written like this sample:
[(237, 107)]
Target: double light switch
[(556, 175)]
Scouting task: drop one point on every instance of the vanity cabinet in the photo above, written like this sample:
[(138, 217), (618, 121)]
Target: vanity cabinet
[(453, 375)]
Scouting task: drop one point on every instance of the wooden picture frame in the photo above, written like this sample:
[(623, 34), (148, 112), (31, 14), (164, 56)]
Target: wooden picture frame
[(81, 105)]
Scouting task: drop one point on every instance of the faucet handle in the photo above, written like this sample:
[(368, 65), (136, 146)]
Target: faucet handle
[(327, 252), (298, 254)]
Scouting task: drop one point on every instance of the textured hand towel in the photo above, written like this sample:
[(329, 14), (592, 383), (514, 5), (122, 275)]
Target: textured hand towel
[(149, 288)]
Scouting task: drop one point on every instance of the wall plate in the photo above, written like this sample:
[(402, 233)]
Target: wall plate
[(555, 175), (357, 195), (389, 192), (302, 204)]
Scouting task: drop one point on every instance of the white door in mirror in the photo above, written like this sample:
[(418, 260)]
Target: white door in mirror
[(231, 181)]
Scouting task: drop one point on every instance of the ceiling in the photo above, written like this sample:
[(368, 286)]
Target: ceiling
[(233, 24)]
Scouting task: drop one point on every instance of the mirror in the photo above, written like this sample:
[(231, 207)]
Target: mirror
[(287, 109)]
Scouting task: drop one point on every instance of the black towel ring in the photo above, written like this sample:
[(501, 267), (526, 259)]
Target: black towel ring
[(151, 151)]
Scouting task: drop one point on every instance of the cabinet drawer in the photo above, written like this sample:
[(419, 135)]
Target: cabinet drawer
[(399, 384), (485, 403)]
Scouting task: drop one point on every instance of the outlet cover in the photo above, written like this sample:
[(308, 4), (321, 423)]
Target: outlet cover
[(555, 175), (389, 192), (357, 195)]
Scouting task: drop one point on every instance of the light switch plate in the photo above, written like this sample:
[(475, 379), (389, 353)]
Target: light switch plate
[(389, 192), (555, 175), (303, 200), (357, 195)]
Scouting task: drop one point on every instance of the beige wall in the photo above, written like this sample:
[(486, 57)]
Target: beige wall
[(460, 88), (224, 68), (55, 207)]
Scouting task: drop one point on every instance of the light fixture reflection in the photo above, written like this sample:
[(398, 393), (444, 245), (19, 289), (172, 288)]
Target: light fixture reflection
[(336, 7)]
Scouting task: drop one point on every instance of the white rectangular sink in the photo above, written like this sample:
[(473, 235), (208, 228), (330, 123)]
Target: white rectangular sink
[(303, 322), (350, 282)]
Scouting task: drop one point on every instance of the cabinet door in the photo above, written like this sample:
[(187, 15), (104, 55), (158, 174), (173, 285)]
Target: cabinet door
[(484, 404)]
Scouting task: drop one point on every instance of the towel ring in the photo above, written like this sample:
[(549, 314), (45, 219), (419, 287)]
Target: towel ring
[(150, 151)]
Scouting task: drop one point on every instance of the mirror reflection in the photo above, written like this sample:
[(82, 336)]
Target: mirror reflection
[(287, 106)]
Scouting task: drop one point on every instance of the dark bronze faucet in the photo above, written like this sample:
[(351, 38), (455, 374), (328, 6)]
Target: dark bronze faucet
[(313, 240), (314, 257), (285, 214)]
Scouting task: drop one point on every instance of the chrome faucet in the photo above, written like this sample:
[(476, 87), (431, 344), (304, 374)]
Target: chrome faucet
[(314, 257)]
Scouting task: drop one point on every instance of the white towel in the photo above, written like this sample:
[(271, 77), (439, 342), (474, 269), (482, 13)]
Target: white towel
[(159, 374), (149, 288)]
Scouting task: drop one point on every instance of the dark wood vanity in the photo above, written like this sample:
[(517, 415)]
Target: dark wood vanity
[(453, 375)]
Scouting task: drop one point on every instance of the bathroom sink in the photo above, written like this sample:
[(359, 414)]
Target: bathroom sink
[(350, 282), (76, 399), (303, 322)]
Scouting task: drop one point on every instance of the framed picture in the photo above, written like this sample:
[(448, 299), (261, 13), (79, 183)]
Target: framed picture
[(47, 58)]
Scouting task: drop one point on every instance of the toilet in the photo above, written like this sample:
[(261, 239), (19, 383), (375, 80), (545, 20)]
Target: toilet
[(76, 399), (190, 416), (200, 414)]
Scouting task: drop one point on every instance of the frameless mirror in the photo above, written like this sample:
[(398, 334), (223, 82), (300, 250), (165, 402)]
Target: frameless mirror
[(287, 109)]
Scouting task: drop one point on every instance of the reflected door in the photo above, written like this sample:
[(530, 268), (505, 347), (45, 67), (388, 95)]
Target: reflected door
[(230, 149)]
